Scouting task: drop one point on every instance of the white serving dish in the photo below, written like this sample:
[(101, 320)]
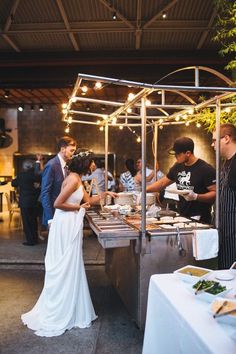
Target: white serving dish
[(191, 278), (124, 198), (229, 318), (203, 295), (233, 268)]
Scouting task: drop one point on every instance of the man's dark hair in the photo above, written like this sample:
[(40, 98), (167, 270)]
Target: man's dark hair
[(65, 141), (228, 129), (130, 165)]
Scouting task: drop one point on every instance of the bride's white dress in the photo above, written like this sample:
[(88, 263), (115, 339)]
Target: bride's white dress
[(65, 299)]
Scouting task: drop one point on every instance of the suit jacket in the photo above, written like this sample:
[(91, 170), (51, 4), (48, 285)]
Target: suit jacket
[(28, 193), (51, 186)]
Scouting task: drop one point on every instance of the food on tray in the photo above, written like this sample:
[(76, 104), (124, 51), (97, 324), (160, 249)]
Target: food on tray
[(181, 219), (179, 191), (209, 286), (167, 227), (224, 307), (167, 218), (182, 225), (197, 272)]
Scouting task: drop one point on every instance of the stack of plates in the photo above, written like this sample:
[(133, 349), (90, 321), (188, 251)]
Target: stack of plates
[(124, 199)]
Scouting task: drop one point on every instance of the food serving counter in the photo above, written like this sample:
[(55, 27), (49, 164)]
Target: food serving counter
[(130, 260)]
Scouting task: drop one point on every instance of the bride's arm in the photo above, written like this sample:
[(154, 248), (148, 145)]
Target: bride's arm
[(69, 185), (97, 198)]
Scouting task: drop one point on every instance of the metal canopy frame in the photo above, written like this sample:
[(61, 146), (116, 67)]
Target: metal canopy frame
[(169, 113)]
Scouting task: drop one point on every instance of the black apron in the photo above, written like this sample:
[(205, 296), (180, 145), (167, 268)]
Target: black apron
[(227, 221)]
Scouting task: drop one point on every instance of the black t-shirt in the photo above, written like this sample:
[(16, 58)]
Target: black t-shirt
[(196, 177)]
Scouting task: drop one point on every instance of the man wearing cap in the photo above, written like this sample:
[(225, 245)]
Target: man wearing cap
[(190, 174)]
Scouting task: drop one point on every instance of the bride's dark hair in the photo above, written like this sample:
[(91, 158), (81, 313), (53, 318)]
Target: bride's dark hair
[(80, 163)]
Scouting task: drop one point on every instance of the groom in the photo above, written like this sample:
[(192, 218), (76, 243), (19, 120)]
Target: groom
[(53, 175)]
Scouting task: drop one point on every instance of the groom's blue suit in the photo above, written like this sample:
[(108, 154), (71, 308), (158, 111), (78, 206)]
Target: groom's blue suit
[(51, 186)]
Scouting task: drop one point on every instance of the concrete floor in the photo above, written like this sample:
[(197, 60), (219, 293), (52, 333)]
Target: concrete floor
[(21, 281)]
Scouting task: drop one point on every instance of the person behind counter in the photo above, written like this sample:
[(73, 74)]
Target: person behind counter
[(127, 183), (227, 198), (193, 174), (138, 176)]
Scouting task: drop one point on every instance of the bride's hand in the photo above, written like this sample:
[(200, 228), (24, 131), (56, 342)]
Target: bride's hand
[(85, 205), (112, 194)]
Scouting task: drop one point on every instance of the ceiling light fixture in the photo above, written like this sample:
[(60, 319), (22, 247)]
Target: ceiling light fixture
[(98, 85), (164, 14), (6, 93), (21, 108), (41, 108), (32, 107), (114, 17)]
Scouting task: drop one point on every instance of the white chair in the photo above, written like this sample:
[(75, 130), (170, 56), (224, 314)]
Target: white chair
[(12, 208)]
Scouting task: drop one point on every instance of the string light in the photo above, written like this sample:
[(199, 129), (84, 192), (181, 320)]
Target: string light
[(121, 127), (64, 105), (129, 110), (148, 103), (67, 129), (64, 111), (131, 96), (177, 118), (198, 125), (138, 139), (161, 127), (227, 109), (191, 111), (69, 119), (73, 99), (98, 85), (98, 121), (187, 124), (114, 120), (84, 88), (101, 128)]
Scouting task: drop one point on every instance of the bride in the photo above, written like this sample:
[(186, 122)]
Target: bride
[(65, 299)]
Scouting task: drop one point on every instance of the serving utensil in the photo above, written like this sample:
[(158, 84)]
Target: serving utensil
[(225, 313), (220, 308), (199, 290)]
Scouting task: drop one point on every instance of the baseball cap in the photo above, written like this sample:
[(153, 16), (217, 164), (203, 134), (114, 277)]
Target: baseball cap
[(182, 145)]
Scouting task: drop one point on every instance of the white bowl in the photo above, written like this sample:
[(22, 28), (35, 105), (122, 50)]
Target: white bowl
[(189, 273)]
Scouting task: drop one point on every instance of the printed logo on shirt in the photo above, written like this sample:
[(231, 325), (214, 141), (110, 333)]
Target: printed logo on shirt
[(184, 180)]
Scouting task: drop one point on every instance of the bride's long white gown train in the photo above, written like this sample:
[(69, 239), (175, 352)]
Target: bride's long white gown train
[(65, 299)]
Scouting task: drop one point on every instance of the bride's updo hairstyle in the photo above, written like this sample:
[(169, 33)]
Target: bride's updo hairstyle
[(80, 162)]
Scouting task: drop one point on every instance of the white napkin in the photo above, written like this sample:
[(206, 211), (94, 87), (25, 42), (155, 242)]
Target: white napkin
[(205, 244)]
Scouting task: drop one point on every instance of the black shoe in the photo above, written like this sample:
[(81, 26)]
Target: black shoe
[(28, 244)]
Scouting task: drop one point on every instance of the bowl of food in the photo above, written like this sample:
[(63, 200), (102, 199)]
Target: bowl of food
[(224, 310), (192, 274), (208, 290)]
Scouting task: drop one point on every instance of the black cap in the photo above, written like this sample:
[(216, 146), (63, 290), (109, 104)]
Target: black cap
[(182, 145)]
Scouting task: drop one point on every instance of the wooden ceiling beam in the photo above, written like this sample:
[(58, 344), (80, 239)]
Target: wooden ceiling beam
[(206, 32), (159, 14), (67, 25), (138, 32), (118, 13), (8, 23)]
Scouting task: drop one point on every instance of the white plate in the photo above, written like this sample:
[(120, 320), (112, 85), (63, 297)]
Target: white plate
[(179, 191), (190, 277), (224, 275)]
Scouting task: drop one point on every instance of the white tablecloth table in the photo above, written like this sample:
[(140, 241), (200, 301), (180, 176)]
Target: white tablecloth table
[(178, 322)]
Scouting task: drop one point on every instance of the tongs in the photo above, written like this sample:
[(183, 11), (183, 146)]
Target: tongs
[(217, 314), (199, 290)]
